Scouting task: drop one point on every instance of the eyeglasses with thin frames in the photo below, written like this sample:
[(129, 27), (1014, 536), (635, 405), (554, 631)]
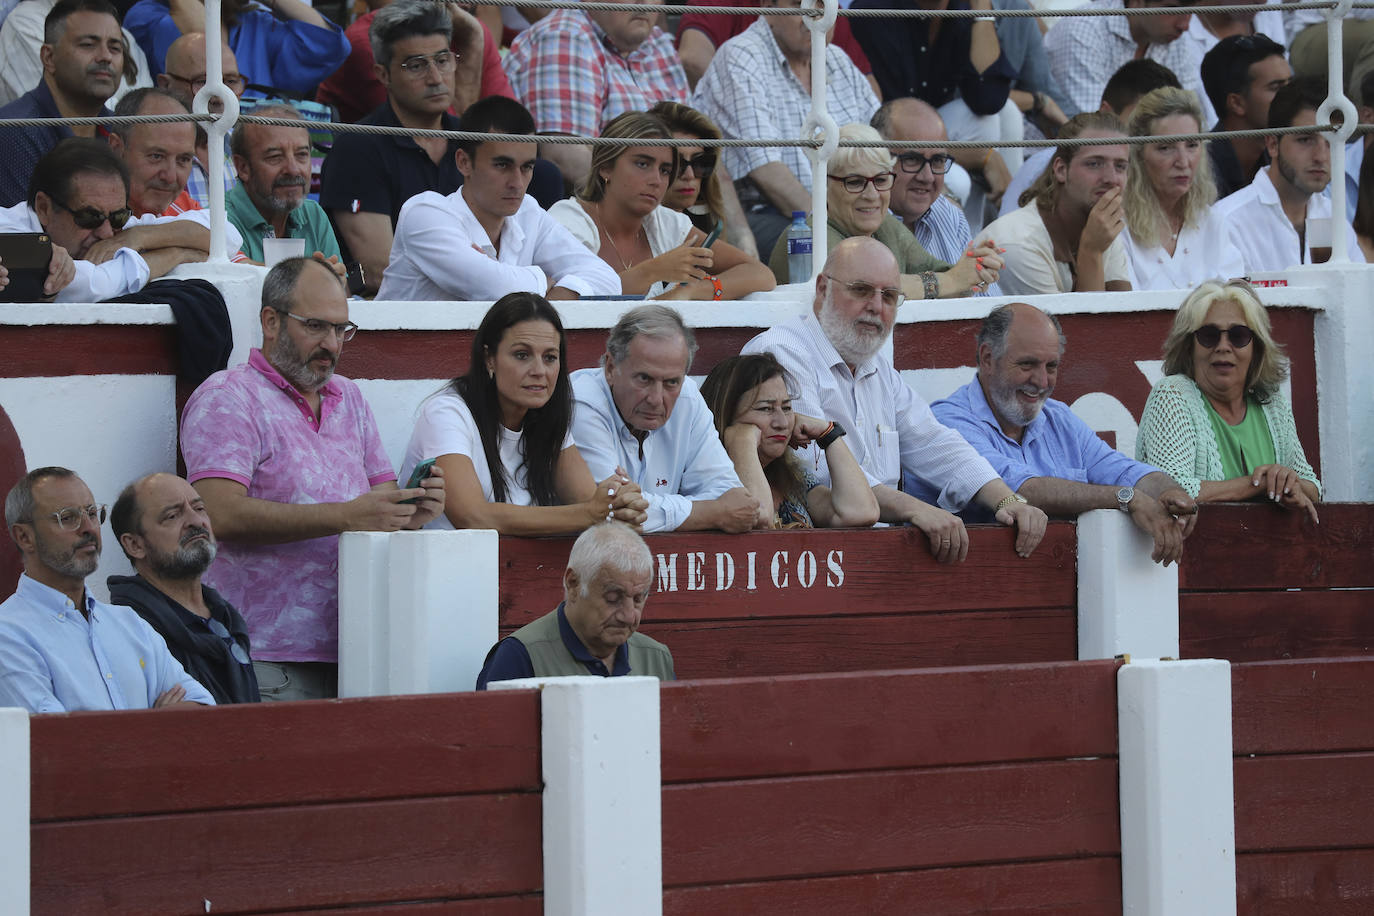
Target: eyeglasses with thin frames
[(892, 296), (855, 184), (317, 327), (912, 163), (235, 82), (69, 518), (443, 62), (91, 218)]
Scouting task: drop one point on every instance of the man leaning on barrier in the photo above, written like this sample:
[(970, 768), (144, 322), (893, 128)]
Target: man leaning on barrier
[(833, 356), (61, 650), (594, 631)]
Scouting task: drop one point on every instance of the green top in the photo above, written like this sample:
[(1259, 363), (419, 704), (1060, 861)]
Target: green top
[(549, 654), (308, 221), (912, 258), (1245, 446)]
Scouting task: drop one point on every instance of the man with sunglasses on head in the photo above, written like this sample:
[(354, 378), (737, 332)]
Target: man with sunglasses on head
[(287, 457), (61, 650), (164, 530), (833, 357)]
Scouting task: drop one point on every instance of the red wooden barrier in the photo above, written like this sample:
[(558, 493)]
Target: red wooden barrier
[(849, 793), (794, 602), (1258, 582), (1304, 782), (291, 808)]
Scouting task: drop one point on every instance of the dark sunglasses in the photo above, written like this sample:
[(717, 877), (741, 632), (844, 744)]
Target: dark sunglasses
[(1209, 335), (91, 218), (702, 165)]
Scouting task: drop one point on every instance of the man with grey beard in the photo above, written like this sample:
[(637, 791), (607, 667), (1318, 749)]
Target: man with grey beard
[(833, 358), (1040, 447), (161, 524), (61, 650)]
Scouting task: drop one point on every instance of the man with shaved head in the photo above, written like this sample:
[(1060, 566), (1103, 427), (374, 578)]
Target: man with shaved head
[(833, 356), (184, 76), (1040, 447)]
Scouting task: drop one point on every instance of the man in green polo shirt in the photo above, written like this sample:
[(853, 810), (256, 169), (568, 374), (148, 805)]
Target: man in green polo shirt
[(593, 632), (273, 165)]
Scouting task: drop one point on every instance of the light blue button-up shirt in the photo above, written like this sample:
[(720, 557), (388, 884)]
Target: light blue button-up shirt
[(679, 462), (54, 659)]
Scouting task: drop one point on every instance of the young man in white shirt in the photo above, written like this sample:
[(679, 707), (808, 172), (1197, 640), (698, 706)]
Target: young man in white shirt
[(490, 238)]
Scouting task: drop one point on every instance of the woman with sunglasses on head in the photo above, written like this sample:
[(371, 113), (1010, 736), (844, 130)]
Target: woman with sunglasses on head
[(1174, 240), (657, 252), (857, 198), (1217, 422), (750, 400), (502, 434)]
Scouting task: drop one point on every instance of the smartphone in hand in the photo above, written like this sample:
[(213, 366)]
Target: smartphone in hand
[(417, 476)]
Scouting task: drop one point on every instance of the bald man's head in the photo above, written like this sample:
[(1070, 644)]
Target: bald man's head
[(185, 68), (920, 173), (857, 295)]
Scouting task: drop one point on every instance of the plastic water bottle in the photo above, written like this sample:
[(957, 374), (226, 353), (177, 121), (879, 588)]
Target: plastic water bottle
[(798, 249)]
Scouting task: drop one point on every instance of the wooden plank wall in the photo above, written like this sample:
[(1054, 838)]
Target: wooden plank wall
[(1258, 583), (796, 602), (394, 805), (1304, 782), (953, 791)]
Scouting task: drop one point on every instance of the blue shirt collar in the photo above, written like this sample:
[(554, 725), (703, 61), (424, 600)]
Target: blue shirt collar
[(978, 404), (48, 599), (573, 644)]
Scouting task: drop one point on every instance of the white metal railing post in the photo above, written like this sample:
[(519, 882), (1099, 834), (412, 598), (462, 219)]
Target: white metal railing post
[(15, 793), (819, 123), (1336, 101), (217, 129)]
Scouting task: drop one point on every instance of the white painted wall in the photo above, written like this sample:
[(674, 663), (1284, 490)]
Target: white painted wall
[(14, 812)]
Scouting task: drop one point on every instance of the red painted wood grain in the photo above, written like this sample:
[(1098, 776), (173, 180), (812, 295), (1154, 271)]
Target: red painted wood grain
[(1303, 706), (1338, 883), (1262, 626), (1304, 801), (1254, 546)]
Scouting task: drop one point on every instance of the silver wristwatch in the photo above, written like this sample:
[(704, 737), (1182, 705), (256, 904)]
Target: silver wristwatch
[(1124, 495)]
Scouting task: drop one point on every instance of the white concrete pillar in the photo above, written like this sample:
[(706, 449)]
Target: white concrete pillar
[(1178, 836), (603, 819), (1345, 376), (1127, 604), (417, 610), (14, 811)]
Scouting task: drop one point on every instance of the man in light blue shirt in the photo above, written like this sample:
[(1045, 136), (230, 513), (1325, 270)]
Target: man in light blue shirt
[(1041, 448), (641, 413), (60, 649)]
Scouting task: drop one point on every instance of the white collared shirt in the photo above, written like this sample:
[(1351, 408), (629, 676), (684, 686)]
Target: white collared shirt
[(1201, 253), (122, 274), (890, 429), (681, 461), (1258, 227), (441, 251)]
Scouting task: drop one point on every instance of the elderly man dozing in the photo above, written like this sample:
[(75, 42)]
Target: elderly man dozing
[(594, 631)]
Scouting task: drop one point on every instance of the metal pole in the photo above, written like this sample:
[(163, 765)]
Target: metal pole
[(819, 123), (217, 129), (1336, 101)]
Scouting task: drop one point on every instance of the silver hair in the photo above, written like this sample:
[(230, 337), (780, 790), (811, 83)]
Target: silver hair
[(406, 19), (608, 544), (19, 503), (279, 287), (849, 159), (650, 321), (997, 325)]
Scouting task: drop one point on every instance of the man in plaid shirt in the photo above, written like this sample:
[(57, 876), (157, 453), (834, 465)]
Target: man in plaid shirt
[(577, 70)]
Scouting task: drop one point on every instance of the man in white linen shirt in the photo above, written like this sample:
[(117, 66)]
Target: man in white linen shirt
[(641, 413), (489, 238), (1268, 220), (833, 359)]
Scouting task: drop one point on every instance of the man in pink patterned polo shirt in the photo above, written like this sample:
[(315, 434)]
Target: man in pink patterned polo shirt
[(287, 456)]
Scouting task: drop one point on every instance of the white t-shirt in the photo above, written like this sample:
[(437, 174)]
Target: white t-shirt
[(1203, 252), (664, 228), (445, 427), (1030, 264)]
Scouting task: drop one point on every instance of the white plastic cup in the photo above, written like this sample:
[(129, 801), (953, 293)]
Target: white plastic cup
[(274, 250), (1319, 239)]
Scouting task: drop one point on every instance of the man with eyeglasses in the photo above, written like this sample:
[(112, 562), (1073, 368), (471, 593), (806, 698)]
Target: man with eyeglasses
[(183, 78), (164, 530), (287, 456), (833, 356), (1041, 448), (61, 650)]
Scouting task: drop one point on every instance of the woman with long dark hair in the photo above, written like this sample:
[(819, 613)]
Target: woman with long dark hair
[(501, 434)]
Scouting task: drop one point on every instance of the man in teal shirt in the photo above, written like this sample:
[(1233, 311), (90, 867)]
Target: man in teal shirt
[(270, 200)]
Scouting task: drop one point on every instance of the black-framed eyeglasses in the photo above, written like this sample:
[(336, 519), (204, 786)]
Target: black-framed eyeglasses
[(91, 218), (702, 165), (912, 163), (855, 184), (1209, 335), (443, 62), (859, 289), (236, 82), (318, 327), (69, 518), (240, 654)]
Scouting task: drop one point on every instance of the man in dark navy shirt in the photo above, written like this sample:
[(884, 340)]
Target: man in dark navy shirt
[(593, 632), (1241, 74)]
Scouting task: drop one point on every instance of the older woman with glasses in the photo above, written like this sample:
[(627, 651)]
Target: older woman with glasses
[(857, 198), (1217, 422)]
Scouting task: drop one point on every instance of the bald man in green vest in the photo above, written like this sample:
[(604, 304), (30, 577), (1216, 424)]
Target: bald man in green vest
[(594, 630)]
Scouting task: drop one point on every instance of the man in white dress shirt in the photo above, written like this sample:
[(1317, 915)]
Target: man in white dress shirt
[(639, 411), (490, 238), (832, 356), (1269, 220)]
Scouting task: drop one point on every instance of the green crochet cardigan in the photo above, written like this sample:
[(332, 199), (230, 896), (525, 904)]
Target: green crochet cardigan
[(1176, 435)]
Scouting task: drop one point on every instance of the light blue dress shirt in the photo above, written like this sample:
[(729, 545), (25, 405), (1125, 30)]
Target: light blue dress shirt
[(679, 462), (1057, 443), (54, 659)]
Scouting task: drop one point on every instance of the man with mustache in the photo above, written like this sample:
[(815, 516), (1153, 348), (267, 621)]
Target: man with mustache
[(1041, 448), (287, 456), (270, 200), (83, 60), (61, 650), (161, 523)]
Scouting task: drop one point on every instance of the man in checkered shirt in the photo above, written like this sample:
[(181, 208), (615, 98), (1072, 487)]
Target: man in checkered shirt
[(576, 70)]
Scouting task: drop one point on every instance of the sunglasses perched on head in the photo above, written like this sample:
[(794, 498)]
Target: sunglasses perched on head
[(91, 218), (1209, 335)]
